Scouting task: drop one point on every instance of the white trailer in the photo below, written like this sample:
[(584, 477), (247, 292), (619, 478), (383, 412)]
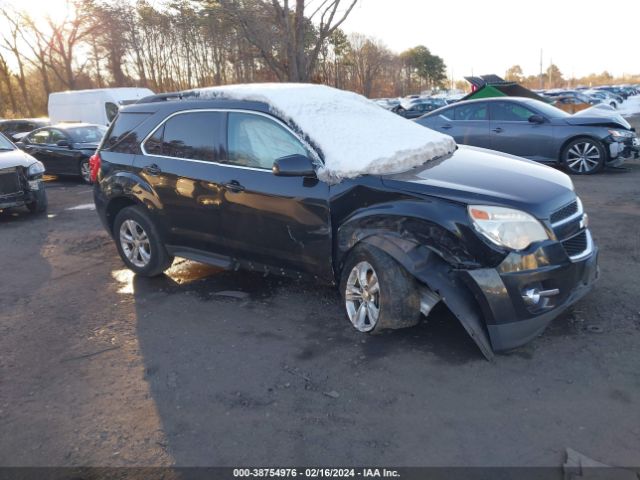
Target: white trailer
[(97, 106)]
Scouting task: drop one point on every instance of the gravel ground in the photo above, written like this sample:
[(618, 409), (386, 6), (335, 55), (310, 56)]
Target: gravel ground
[(100, 368)]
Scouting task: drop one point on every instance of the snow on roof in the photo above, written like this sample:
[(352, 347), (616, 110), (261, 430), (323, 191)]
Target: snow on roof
[(355, 135)]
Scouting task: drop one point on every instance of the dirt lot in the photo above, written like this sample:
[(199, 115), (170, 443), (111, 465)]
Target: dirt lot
[(100, 368)]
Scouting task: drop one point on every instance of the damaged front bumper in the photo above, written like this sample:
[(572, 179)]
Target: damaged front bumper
[(621, 150), (28, 193), (526, 292)]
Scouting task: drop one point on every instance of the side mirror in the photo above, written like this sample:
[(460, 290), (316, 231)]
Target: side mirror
[(63, 143), (536, 119), (294, 166)]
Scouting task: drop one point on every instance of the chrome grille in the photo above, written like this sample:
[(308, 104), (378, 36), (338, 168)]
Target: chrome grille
[(565, 212)]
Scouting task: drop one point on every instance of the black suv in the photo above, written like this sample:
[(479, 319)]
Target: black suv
[(502, 241)]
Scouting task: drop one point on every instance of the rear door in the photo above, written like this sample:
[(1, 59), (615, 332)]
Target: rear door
[(180, 162), (37, 144), (470, 125), (512, 132), (279, 221)]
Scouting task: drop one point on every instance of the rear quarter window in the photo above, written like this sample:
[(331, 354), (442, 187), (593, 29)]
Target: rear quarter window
[(122, 136)]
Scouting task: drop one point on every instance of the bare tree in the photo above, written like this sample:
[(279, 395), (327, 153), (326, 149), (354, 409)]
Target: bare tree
[(368, 57), (289, 37)]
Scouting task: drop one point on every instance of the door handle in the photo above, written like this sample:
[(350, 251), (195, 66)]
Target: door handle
[(234, 186), (446, 127), (152, 169), (497, 130)]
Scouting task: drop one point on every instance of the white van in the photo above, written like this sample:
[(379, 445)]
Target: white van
[(97, 106)]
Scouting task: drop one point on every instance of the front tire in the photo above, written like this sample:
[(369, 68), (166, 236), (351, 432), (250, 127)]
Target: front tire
[(584, 156), (139, 243), (377, 292), (40, 203)]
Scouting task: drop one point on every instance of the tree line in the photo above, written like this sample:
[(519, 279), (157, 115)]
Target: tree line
[(552, 77), (183, 44)]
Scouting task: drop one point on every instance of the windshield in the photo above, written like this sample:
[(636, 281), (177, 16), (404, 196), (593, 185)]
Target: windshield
[(5, 144), (550, 111), (92, 134)]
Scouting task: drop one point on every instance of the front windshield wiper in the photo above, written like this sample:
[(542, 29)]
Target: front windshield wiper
[(5, 149)]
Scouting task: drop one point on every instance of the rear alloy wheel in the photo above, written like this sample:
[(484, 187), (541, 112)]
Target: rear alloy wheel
[(135, 243), (85, 170), (139, 243), (584, 156), (378, 293)]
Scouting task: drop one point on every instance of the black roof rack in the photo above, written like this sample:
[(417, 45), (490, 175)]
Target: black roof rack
[(163, 97)]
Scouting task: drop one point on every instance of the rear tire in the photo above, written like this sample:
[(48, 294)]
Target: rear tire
[(584, 156), (377, 292), (139, 243), (85, 170)]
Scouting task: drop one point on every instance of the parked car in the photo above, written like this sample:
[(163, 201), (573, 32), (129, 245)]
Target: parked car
[(615, 90), (64, 148), (218, 177), (20, 179), (18, 128), (604, 97), (535, 130), (96, 106), (387, 103), (573, 103), (417, 107)]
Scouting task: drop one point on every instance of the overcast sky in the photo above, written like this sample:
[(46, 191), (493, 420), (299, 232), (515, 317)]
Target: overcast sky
[(581, 37), (481, 36)]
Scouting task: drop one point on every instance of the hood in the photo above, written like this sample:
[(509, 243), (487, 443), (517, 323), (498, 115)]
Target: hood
[(15, 158), (476, 175), (598, 117)]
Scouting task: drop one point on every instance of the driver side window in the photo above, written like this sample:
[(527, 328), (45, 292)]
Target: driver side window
[(510, 112), (56, 136), (256, 141)]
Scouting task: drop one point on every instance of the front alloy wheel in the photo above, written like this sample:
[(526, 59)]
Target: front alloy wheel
[(135, 243), (584, 156), (362, 297)]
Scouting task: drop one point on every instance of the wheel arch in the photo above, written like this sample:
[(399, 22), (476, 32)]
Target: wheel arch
[(115, 205), (432, 266), (576, 137)]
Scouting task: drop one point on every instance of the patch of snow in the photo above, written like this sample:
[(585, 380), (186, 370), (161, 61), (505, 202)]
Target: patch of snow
[(355, 136), (84, 206), (631, 106)]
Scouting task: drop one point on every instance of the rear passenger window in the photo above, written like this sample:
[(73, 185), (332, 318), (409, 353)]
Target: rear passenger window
[(192, 136), (121, 136), (256, 141), (472, 111)]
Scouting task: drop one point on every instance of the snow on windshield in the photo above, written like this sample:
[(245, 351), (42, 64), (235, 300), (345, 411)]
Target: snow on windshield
[(355, 135)]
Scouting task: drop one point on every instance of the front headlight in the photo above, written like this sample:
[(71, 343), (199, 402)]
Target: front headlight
[(35, 169), (507, 227), (621, 133)]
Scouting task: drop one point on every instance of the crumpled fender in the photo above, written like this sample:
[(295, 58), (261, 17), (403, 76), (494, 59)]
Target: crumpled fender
[(430, 269)]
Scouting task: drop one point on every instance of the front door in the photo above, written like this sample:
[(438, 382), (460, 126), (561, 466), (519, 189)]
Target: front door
[(512, 132), (62, 158), (278, 221)]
